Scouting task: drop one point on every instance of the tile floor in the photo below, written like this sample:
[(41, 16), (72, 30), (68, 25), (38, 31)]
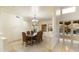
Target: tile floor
[(43, 47), (18, 47)]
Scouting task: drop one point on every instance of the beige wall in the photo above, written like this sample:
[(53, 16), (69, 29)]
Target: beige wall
[(12, 27), (45, 22)]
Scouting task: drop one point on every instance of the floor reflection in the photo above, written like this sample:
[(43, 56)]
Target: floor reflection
[(44, 47), (67, 47)]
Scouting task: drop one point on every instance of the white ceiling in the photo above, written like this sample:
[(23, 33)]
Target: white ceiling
[(26, 11)]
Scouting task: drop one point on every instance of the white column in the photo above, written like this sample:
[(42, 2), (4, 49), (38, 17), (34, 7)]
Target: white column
[(2, 44), (2, 39), (55, 27)]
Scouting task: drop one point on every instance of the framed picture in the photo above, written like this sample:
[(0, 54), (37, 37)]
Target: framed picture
[(44, 27)]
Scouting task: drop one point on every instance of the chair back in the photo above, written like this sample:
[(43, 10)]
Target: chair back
[(28, 32), (24, 36), (32, 32), (39, 36)]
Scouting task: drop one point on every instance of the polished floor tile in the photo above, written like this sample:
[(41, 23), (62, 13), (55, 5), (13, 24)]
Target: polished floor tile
[(43, 47)]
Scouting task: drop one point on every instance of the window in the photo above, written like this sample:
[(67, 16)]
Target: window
[(68, 10), (44, 27), (58, 12), (35, 10)]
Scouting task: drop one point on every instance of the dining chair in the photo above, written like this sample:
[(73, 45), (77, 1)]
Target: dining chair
[(39, 36), (32, 32), (28, 40), (24, 37), (28, 33)]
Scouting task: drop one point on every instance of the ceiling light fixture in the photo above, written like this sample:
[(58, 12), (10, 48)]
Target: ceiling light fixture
[(35, 11)]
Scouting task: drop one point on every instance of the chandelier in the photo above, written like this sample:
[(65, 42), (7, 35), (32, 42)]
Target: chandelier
[(35, 19), (35, 12)]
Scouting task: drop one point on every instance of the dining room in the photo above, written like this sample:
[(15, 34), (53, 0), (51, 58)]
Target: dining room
[(33, 29), (27, 26)]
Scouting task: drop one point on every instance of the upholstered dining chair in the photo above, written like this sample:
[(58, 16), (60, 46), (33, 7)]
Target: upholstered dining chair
[(39, 36), (28, 33), (24, 37), (28, 40), (32, 32)]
